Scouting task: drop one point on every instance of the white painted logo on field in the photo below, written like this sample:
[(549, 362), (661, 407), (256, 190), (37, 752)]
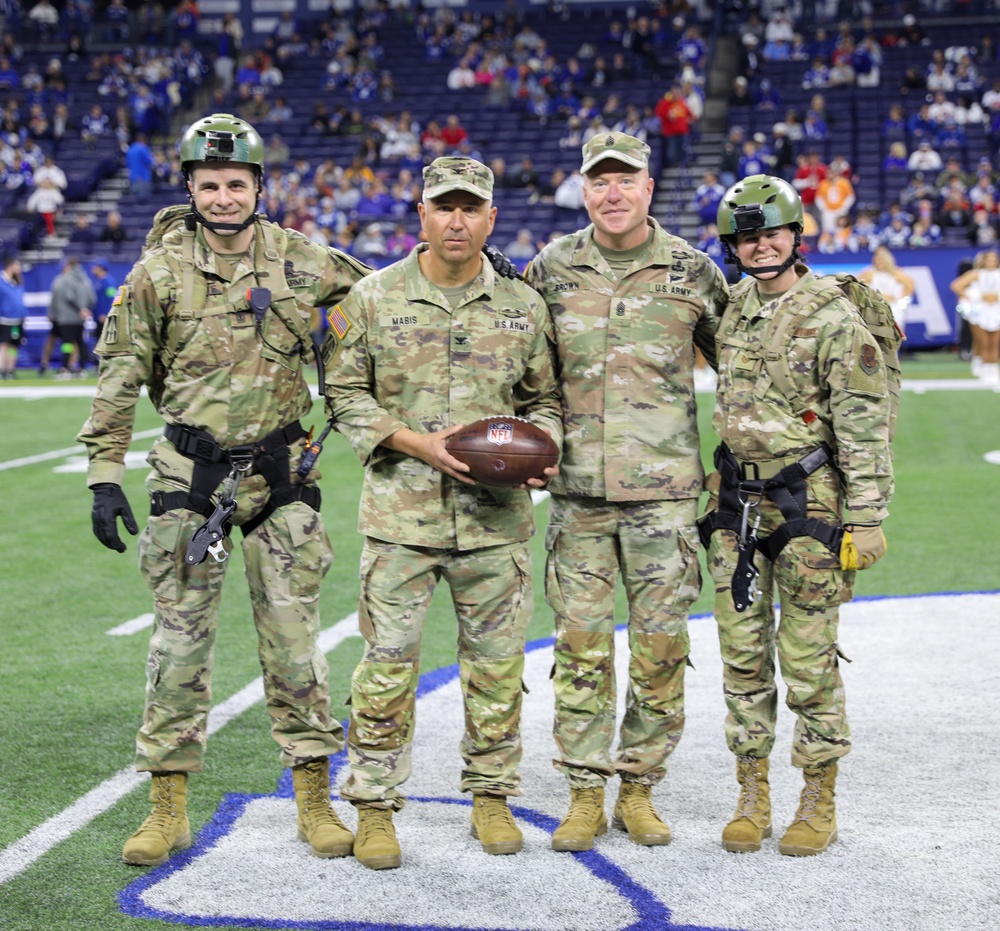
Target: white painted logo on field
[(915, 697)]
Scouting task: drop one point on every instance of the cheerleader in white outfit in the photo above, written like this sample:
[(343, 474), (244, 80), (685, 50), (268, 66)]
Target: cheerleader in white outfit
[(978, 293), (894, 285)]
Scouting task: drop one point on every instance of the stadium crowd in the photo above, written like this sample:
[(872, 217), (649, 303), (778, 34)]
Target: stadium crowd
[(937, 142)]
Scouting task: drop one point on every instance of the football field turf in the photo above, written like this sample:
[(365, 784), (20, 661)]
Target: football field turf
[(71, 693)]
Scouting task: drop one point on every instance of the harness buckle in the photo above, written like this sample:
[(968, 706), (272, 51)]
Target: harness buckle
[(241, 457)]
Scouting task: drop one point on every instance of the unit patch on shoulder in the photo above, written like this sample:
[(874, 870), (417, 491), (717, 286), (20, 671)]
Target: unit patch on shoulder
[(869, 360), (338, 322)]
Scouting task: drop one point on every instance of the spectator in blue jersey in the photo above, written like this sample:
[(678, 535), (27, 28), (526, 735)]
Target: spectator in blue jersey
[(145, 110), (105, 287), (116, 22), (707, 197), (12, 314), (767, 96), (951, 138), (692, 50), (184, 23), (817, 76), (921, 125), (10, 80), (894, 127), (752, 161), (139, 160), (814, 128)]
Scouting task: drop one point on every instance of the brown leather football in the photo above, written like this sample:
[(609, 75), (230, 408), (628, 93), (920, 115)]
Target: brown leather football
[(503, 451)]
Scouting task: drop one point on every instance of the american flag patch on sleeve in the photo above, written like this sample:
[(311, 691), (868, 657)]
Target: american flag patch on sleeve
[(119, 297), (338, 322)]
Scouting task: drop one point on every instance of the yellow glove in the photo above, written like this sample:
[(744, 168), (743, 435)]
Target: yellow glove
[(863, 545)]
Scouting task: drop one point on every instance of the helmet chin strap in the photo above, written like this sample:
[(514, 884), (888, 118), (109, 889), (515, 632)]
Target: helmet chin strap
[(223, 227)]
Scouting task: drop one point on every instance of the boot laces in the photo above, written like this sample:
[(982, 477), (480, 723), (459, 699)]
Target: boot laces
[(164, 808), (376, 821), (317, 795), (585, 805), (494, 811), (637, 799), (749, 789), (810, 796)]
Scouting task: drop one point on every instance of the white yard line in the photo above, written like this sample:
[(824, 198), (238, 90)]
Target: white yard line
[(131, 627), (63, 453), (16, 858)]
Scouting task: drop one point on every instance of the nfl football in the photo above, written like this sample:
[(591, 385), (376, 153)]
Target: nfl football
[(503, 451)]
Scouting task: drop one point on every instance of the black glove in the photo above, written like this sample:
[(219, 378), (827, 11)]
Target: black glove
[(501, 264), (110, 503)]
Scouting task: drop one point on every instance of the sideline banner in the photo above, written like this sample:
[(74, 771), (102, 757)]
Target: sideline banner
[(37, 284), (931, 320)]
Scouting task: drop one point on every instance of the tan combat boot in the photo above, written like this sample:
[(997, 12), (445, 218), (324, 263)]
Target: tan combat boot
[(814, 826), (318, 822), (634, 812), (166, 829), (752, 821), (375, 845), (493, 825), (584, 821)]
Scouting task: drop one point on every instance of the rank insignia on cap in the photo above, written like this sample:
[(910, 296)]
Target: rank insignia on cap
[(119, 297), (338, 322)]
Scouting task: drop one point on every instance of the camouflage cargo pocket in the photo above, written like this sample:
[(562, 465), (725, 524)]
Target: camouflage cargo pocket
[(689, 578), (553, 592), (811, 575), (310, 549), (161, 561), (369, 558)]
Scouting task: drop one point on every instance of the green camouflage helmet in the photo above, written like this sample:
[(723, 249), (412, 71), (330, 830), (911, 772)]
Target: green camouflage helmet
[(759, 202), (222, 137)]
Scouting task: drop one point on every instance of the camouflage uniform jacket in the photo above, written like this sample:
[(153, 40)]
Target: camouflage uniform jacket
[(407, 359), (626, 360), (838, 373), (182, 327)]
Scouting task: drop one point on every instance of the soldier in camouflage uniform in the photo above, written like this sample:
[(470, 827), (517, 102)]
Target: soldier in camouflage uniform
[(629, 302), (215, 322), (792, 473), (417, 350)]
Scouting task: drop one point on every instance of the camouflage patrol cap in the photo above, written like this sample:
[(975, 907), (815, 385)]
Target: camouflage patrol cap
[(457, 174), (619, 146)]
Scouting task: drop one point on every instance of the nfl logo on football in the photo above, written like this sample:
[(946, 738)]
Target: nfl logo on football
[(500, 433)]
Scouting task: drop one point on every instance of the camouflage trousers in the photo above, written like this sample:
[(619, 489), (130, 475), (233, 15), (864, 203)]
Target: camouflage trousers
[(810, 586), (492, 595), (285, 560), (653, 546)]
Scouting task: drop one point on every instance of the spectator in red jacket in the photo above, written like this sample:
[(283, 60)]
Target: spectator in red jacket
[(675, 126), (807, 178), (453, 132)]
